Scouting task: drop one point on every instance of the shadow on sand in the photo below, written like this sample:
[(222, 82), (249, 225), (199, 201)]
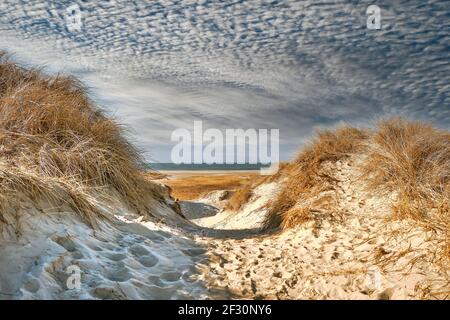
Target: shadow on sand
[(194, 210)]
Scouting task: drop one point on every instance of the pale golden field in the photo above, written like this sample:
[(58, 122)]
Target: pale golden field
[(192, 185)]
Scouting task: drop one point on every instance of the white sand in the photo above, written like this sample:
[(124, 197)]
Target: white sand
[(124, 259), (364, 256), (249, 217)]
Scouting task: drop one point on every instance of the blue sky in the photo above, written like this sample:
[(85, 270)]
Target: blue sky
[(291, 65)]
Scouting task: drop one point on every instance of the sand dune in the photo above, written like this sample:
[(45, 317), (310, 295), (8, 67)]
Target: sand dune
[(78, 218), (358, 215), (123, 259), (366, 257)]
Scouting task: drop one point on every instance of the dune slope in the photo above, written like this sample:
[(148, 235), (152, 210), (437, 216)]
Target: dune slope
[(78, 218), (358, 215)]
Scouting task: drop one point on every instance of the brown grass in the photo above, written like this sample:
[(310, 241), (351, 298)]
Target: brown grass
[(408, 160), (154, 175), (193, 186), (306, 177), (413, 160), (242, 194), (53, 138), (240, 197)]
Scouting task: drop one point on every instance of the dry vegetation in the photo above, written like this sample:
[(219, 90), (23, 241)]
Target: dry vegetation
[(413, 160), (54, 143), (243, 194), (307, 180), (240, 197), (409, 159), (193, 186)]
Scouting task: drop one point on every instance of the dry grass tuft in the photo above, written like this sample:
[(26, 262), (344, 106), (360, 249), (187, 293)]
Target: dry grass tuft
[(240, 197), (408, 159), (411, 159), (243, 194), (154, 175), (306, 177), (52, 138), (296, 216)]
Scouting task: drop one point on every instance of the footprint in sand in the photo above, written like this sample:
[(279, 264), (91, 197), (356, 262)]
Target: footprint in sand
[(138, 250), (77, 255), (156, 280), (145, 257), (32, 285), (116, 256), (107, 293), (119, 273), (148, 260), (171, 276), (160, 293)]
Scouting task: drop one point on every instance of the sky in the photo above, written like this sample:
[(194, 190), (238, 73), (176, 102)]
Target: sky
[(296, 66)]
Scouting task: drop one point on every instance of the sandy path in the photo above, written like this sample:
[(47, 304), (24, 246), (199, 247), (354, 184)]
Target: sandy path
[(364, 256), (225, 255)]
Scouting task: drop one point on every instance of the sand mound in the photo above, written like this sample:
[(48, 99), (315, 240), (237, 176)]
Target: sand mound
[(125, 257), (78, 219), (362, 253), (57, 145), (358, 215)]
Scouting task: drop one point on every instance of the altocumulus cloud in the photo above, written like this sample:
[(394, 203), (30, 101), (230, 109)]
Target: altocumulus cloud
[(292, 65)]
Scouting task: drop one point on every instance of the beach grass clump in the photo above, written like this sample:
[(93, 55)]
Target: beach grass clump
[(307, 179), (411, 159), (408, 159), (54, 139)]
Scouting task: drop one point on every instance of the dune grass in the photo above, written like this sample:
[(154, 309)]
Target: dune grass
[(240, 197), (53, 138), (412, 159), (406, 158), (306, 178), (243, 194)]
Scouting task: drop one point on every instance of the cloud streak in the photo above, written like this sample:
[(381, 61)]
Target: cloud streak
[(292, 65)]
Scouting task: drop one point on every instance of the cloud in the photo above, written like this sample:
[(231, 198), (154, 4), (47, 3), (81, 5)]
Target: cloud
[(292, 65)]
